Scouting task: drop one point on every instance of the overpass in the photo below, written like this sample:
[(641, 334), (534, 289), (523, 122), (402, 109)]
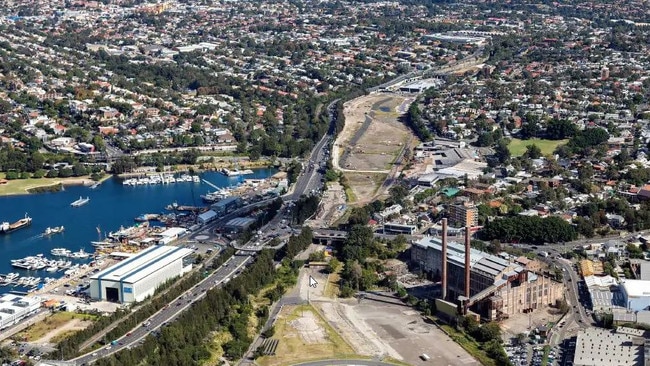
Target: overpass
[(327, 236)]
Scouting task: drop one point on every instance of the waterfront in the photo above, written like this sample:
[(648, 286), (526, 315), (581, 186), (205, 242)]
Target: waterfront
[(111, 205)]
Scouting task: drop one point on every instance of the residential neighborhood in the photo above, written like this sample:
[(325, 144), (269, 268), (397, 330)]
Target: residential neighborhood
[(484, 163)]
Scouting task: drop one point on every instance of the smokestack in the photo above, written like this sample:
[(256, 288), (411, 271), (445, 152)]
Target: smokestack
[(444, 259), (467, 261)]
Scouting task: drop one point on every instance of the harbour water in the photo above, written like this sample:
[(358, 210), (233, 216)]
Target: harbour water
[(111, 205)]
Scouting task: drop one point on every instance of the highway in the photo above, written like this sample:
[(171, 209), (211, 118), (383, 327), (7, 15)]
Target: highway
[(229, 269)]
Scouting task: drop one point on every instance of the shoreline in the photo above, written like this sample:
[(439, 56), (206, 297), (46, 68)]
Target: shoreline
[(86, 181), (145, 171), (65, 182)]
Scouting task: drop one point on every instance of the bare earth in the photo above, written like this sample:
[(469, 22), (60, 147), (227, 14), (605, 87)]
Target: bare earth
[(381, 329), (371, 141), (74, 324)]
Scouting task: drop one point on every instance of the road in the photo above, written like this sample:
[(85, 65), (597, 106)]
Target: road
[(231, 268)]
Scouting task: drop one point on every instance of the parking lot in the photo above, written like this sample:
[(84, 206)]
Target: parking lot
[(410, 335)]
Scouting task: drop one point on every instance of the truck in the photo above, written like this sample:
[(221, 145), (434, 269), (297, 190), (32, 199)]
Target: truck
[(543, 254)]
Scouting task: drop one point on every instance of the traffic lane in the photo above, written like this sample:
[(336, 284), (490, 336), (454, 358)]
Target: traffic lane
[(168, 313), (572, 286)]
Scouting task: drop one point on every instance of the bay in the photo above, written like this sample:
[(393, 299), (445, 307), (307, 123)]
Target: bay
[(111, 205)]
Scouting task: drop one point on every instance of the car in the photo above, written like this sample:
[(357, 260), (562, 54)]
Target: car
[(128, 334), (94, 354)]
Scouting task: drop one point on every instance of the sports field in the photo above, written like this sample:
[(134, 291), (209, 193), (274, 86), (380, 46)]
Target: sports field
[(517, 147)]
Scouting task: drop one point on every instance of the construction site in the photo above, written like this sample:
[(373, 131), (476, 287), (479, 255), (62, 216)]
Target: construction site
[(471, 281)]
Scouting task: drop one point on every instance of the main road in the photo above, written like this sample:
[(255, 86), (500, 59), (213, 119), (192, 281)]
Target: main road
[(310, 179)]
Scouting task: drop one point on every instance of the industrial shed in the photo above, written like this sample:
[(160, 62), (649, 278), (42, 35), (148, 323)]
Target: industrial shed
[(14, 308), (137, 277)]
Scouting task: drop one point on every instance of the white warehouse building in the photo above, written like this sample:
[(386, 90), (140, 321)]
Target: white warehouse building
[(13, 308), (137, 277)]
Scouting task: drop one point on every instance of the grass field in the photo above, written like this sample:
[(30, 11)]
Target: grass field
[(20, 186), (332, 286), (51, 323), (291, 347), (517, 147)]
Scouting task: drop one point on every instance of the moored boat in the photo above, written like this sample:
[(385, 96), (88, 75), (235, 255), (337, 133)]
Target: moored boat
[(80, 202)]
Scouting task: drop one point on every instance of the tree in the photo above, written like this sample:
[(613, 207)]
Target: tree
[(502, 152), (333, 265), (397, 193), (533, 152)]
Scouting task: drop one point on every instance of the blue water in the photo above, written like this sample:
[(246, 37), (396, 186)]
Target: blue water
[(111, 205)]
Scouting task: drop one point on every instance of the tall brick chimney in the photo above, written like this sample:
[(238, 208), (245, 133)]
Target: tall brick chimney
[(444, 259), (467, 260)]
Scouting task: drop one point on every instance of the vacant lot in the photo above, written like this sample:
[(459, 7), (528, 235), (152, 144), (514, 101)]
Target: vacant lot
[(54, 326), (373, 136), (517, 147), (408, 333), (363, 186), (302, 336)]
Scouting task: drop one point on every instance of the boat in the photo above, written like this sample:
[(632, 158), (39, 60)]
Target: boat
[(147, 217), (235, 172), (61, 252), (94, 186), (6, 227), (80, 202), (80, 254), (53, 230)]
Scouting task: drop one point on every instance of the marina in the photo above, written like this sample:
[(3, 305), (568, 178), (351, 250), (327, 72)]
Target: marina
[(105, 226), (161, 179)]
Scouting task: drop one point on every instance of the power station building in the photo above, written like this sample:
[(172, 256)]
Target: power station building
[(137, 277), (492, 286)]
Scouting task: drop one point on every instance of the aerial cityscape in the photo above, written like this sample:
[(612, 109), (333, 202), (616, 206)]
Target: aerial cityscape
[(314, 183)]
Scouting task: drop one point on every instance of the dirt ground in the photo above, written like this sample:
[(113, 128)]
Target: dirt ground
[(332, 206), (381, 329), (365, 186), (372, 136), (520, 323), (72, 325), (303, 335)]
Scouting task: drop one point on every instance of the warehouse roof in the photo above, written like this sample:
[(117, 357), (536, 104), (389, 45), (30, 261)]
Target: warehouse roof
[(636, 288), (604, 347), (173, 231), (479, 260), (143, 264)]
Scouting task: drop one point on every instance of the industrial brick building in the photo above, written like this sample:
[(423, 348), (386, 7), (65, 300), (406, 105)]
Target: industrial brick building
[(496, 288)]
